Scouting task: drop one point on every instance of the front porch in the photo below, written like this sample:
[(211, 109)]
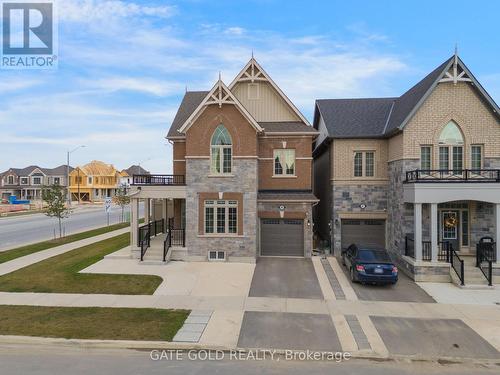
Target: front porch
[(452, 225), (163, 231)]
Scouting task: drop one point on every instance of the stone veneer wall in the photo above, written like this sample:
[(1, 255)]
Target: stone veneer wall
[(244, 181), (348, 198), (482, 217), (303, 208)]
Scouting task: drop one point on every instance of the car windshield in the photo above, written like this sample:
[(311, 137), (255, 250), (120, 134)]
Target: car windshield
[(373, 256)]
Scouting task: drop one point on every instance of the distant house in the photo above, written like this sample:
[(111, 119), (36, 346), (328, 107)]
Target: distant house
[(27, 183), (94, 181), (126, 175)]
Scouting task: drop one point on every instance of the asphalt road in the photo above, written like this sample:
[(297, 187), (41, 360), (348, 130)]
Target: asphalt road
[(405, 290), (16, 360), (25, 229)]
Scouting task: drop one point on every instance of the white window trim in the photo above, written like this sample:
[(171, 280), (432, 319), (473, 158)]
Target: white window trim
[(450, 155), (482, 155), (21, 181), (363, 164), (33, 180), (213, 172), (431, 161), (226, 205), (285, 175)]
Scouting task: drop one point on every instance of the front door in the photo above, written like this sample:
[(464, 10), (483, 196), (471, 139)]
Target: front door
[(450, 228)]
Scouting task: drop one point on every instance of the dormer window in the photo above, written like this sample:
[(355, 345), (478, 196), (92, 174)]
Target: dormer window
[(221, 151)]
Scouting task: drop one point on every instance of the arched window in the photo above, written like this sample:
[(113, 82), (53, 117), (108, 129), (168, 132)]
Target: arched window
[(451, 151), (221, 151)]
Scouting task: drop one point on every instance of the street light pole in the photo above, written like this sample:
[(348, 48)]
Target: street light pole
[(67, 173)]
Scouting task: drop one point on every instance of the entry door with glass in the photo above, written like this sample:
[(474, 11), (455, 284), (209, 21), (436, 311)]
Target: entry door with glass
[(450, 228)]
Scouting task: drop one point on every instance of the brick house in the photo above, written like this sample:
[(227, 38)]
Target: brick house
[(417, 174), (242, 177)]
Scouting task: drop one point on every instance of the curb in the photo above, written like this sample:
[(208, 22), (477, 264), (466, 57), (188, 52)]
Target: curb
[(186, 346)]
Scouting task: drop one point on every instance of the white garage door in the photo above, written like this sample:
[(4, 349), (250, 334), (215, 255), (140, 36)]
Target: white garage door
[(367, 232), (282, 237)]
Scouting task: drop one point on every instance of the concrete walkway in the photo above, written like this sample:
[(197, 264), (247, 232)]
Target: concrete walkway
[(27, 260)]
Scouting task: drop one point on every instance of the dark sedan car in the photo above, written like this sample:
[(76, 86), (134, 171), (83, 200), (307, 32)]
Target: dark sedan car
[(369, 265)]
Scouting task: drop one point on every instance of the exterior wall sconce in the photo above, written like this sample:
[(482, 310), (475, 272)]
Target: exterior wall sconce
[(308, 223)]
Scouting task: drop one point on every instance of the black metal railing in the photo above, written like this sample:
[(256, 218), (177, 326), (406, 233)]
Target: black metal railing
[(144, 244), (457, 264), (442, 255), (159, 179), (409, 246), (146, 231), (175, 237), (485, 257), (453, 175)]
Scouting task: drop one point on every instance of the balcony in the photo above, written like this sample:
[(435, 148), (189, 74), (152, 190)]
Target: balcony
[(158, 180), (456, 175)]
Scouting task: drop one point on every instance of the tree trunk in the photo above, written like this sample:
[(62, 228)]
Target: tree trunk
[(60, 227)]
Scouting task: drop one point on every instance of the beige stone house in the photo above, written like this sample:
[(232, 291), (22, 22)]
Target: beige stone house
[(417, 174), (242, 177)]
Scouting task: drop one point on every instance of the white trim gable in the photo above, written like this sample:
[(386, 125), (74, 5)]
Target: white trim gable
[(219, 95), (452, 75), (253, 72), (37, 170)]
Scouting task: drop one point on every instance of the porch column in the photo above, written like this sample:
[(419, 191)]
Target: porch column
[(147, 214), (417, 219), (497, 230), (434, 232), (134, 222)]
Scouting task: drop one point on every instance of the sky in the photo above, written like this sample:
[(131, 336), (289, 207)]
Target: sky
[(123, 66)]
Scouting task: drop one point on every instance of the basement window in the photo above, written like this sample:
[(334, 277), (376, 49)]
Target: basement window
[(216, 255)]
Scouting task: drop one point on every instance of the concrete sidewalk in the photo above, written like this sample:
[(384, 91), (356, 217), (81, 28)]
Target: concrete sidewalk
[(30, 259)]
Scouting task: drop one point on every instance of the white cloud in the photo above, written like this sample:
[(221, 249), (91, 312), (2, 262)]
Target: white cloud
[(88, 11), (234, 30), (144, 85)]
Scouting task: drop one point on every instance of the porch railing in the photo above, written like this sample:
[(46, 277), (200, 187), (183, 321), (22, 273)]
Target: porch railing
[(443, 249), (453, 175), (457, 264), (485, 256), (159, 179), (175, 237), (146, 231)]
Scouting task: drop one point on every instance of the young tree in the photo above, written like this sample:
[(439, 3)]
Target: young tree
[(55, 198), (121, 199)]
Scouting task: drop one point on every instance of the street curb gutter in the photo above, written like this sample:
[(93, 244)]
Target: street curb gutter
[(6, 340)]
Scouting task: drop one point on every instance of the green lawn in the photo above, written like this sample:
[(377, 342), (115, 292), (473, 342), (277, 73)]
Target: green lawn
[(59, 274), (5, 256), (104, 323)]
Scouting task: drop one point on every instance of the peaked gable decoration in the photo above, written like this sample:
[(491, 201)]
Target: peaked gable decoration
[(252, 72), (454, 71), (219, 95)]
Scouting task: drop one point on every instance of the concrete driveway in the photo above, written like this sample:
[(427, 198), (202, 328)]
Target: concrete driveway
[(405, 290), (285, 278), (272, 330), (432, 337)]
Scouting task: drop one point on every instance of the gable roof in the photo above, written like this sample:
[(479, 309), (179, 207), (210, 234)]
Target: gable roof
[(190, 102), (219, 95), (257, 73), (383, 117), (24, 172)]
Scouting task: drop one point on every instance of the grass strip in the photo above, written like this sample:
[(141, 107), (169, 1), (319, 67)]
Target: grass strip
[(105, 323), (60, 274)]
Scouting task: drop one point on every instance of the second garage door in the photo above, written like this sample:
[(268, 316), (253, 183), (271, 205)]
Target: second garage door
[(282, 237), (363, 232)]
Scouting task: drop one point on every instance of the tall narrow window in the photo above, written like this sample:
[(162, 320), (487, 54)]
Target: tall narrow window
[(221, 151), (425, 158), (451, 148), (476, 157), (458, 158), (358, 164), (444, 158), (369, 164), (284, 162)]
